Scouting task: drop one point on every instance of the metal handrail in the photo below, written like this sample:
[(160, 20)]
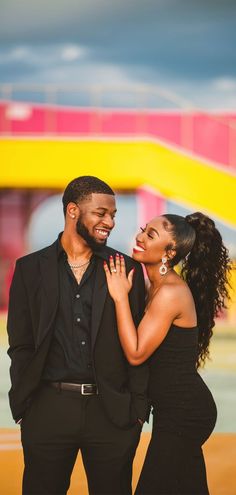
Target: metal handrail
[(145, 91)]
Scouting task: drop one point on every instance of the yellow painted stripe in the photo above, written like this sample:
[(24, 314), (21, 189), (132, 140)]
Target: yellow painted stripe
[(125, 165)]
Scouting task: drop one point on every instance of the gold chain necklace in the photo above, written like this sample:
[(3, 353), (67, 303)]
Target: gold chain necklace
[(76, 267)]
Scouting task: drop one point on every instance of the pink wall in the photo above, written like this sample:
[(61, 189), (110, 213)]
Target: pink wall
[(212, 136)]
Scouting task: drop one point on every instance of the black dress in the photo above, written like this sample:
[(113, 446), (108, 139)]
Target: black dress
[(184, 415)]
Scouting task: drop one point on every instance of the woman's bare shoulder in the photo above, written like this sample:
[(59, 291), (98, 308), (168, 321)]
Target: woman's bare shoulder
[(172, 289)]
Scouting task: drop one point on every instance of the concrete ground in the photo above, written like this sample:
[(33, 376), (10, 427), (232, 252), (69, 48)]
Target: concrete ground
[(219, 451)]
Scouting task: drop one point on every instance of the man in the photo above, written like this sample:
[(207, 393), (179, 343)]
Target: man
[(72, 388)]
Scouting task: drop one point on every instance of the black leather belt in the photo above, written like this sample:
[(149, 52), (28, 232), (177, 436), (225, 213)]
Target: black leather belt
[(81, 388)]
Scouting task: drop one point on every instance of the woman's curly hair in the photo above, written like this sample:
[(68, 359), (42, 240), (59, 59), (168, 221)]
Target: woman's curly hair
[(205, 267)]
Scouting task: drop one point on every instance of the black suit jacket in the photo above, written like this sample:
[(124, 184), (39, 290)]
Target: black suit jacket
[(32, 308)]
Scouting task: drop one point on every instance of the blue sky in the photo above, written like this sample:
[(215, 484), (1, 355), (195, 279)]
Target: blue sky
[(184, 46)]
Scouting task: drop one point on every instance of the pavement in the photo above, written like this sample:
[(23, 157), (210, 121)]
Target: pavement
[(219, 450)]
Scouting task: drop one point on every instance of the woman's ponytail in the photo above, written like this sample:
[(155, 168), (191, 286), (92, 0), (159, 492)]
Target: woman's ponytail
[(206, 270)]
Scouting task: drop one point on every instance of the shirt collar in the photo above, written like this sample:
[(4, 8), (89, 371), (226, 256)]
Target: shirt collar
[(60, 249)]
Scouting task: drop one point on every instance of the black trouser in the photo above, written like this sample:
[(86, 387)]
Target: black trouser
[(60, 423)]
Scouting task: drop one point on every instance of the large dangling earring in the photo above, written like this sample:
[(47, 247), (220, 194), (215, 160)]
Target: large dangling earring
[(163, 267)]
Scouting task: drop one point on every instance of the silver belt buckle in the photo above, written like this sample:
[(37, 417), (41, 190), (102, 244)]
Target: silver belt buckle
[(82, 389)]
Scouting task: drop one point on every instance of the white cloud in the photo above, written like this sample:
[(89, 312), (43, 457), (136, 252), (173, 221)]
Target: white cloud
[(207, 94), (15, 54), (85, 73), (43, 56), (224, 84), (70, 53), (19, 53)]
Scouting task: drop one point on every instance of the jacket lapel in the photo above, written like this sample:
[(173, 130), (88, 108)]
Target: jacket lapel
[(99, 297), (50, 290), (50, 293)]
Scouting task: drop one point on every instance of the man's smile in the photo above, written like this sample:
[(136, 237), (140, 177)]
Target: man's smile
[(103, 233)]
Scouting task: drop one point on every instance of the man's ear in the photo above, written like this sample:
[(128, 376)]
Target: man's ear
[(73, 210)]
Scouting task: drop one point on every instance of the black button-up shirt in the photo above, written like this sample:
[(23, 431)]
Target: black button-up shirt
[(69, 358)]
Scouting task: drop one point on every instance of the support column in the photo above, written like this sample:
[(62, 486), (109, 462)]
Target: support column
[(16, 206), (150, 204)]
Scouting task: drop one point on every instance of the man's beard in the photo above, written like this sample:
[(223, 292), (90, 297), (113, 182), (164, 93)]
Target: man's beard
[(82, 230)]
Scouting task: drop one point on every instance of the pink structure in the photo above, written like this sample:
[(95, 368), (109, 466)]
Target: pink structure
[(212, 136), (150, 204)]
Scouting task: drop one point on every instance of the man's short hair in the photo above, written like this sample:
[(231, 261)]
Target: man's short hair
[(82, 187)]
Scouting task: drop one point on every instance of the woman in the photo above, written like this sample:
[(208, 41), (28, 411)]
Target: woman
[(174, 335)]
